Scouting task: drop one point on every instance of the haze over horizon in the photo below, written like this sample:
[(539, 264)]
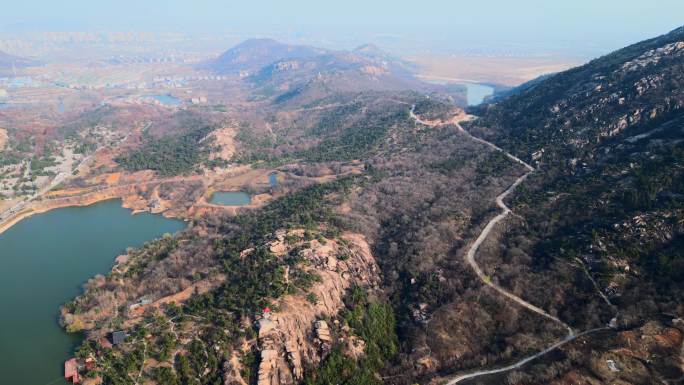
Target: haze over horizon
[(301, 192), (527, 26)]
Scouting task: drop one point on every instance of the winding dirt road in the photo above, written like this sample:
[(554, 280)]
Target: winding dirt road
[(472, 251)]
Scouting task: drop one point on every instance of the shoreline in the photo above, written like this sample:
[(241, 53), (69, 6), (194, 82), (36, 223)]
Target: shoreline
[(32, 210), (6, 225)]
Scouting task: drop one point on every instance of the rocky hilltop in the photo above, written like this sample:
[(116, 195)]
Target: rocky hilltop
[(572, 112)]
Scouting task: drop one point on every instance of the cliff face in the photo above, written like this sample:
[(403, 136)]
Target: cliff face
[(297, 334)]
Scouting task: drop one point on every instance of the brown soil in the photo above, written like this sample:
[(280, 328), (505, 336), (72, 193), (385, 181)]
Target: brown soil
[(200, 287), (224, 138)]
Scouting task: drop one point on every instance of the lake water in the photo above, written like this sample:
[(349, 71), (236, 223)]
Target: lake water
[(230, 198), (44, 261), (166, 99), (477, 93)]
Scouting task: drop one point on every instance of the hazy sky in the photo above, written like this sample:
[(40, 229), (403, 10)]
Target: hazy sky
[(572, 24)]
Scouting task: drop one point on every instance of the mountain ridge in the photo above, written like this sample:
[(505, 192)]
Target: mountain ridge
[(253, 54), (9, 63)]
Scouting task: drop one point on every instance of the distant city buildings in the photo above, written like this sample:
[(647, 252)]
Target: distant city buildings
[(19, 82), (199, 100)]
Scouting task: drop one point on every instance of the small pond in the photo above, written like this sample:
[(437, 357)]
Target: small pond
[(230, 198), (166, 99), (273, 179)]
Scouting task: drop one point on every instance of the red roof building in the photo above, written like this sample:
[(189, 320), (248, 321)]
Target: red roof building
[(71, 370), (90, 363)]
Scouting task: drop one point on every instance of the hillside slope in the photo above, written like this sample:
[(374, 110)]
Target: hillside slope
[(608, 141), (571, 112)]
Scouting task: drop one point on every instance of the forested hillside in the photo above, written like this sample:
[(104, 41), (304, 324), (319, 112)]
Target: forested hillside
[(608, 140)]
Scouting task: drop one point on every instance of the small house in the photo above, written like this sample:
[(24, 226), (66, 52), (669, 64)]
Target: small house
[(118, 337), (90, 363), (71, 371)]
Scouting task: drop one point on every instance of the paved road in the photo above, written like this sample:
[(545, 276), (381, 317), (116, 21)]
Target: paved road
[(58, 179)]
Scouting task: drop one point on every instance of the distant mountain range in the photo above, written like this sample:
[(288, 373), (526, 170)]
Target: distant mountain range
[(9, 63), (289, 71), (253, 54)]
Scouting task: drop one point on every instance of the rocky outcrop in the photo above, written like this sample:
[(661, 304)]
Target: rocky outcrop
[(654, 56), (298, 334)]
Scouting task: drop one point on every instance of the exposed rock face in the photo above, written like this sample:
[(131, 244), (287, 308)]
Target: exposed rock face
[(224, 142), (322, 331), (374, 70), (3, 138), (653, 56), (297, 334), (287, 65), (592, 104)]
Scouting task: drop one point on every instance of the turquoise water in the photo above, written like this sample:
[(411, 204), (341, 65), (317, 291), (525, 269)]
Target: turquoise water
[(231, 198), (477, 93), (45, 259), (166, 99)]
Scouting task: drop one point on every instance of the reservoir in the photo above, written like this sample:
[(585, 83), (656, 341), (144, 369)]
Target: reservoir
[(45, 260), (230, 198), (477, 93)]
